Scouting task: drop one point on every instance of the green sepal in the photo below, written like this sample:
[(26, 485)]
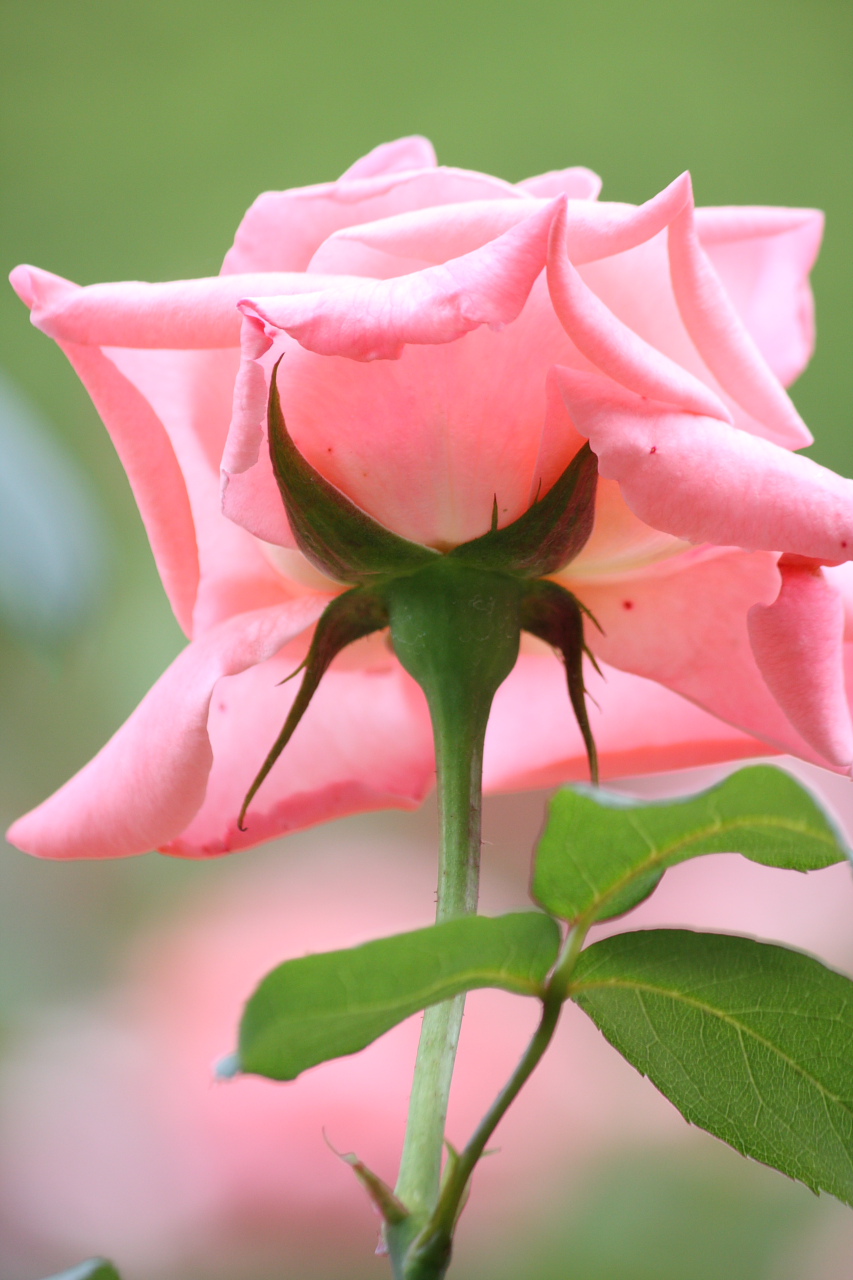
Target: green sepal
[(751, 1041), (550, 533), (339, 538), (93, 1269), (357, 613), (602, 854), (390, 1208), (456, 629), (319, 1007), (556, 616)]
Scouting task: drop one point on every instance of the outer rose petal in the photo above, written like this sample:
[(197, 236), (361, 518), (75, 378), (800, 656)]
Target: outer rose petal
[(399, 156), (155, 476), (685, 626), (375, 319), (841, 578), (723, 340), (181, 314), (365, 743), (144, 787), (409, 241), (283, 229), (578, 183), (639, 727), (704, 481), (190, 392), (614, 348), (763, 257), (798, 643)]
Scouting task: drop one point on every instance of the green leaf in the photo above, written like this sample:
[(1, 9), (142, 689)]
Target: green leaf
[(602, 854), (320, 1007), (94, 1269), (750, 1041)]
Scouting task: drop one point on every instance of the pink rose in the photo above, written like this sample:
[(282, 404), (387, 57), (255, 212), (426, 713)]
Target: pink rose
[(449, 339)]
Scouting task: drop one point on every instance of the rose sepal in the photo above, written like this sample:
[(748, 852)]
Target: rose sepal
[(338, 538)]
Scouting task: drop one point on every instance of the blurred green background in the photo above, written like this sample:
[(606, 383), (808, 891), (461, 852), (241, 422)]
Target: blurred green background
[(133, 138)]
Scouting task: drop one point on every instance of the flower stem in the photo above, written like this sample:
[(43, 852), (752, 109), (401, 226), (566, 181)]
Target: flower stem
[(459, 763), (455, 628), (430, 1253)]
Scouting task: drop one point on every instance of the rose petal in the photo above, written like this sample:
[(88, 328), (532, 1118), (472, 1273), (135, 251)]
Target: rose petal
[(375, 319), (155, 476), (365, 743), (578, 183), (638, 725), (723, 340), (763, 258), (424, 237), (685, 626), (144, 787), (798, 642), (841, 578), (181, 314), (399, 156), (190, 392), (595, 231), (704, 481), (614, 348), (283, 229), (409, 241)]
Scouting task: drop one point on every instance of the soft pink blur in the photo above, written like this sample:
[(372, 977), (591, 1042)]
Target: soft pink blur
[(115, 1138), (451, 339)]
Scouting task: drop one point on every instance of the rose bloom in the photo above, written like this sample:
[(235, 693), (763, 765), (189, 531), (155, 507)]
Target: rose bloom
[(449, 340), (114, 1137)]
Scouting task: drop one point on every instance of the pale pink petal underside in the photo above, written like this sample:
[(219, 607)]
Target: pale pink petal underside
[(723, 340), (639, 727), (152, 468), (705, 481), (685, 626), (763, 257), (414, 152), (375, 319), (144, 787), (282, 230), (798, 643), (614, 348), (178, 315), (364, 743), (578, 183)]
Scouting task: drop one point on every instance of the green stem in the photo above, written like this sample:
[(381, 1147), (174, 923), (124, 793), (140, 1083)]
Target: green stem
[(459, 762), (430, 1253), (455, 628)]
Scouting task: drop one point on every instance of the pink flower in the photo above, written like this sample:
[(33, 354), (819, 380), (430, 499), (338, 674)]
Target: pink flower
[(449, 339)]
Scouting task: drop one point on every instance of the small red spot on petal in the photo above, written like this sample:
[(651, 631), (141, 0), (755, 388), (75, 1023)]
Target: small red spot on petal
[(844, 544), (653, 449), (627, 604)]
